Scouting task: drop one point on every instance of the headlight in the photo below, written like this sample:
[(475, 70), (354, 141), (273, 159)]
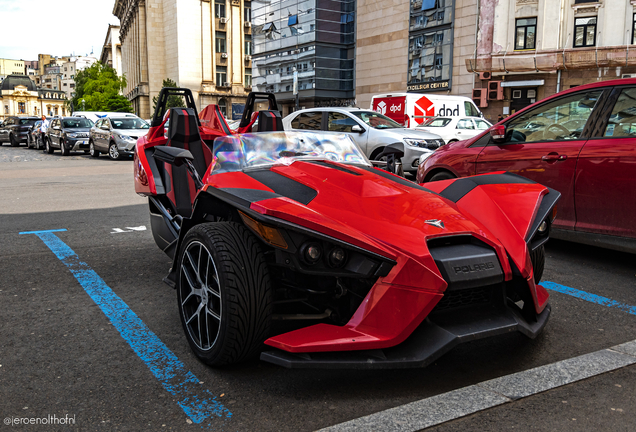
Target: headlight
[(431, 144)]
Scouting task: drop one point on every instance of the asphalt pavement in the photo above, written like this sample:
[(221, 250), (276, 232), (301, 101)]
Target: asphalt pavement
[(64, 353)]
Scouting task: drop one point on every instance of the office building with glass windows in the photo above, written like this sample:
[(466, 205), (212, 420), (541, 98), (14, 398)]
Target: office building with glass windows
[(314, 39)]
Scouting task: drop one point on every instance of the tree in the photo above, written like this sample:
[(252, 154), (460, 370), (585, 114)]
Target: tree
[(99, 86), (173, 101)]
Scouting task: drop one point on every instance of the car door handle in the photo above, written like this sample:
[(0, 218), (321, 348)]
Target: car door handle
[(553, 157)]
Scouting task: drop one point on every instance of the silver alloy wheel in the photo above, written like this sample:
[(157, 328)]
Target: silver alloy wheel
[(200, 292), (113, 151)]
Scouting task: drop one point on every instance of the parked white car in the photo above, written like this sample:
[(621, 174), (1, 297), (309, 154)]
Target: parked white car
[(453, 129), (370, 130)]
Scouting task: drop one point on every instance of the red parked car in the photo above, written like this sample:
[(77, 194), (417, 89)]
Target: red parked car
[(580, 142)]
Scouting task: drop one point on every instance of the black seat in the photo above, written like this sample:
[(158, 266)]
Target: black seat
[(269, 121), (183, 132)]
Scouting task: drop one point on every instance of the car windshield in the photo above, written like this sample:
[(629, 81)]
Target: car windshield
[(238, 152), (128, 123), (376, 120), (77, 123), (28, 121), (435, 122)]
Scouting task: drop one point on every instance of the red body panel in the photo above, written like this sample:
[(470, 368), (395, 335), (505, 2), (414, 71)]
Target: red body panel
[(605, 185)]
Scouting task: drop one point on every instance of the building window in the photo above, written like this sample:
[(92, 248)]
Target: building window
[(221, 75), (21, 108), (584, 32), (248, 77), (219, 8), (55, 110), (248, 44), (526, 29), (247, 11), (223, 107), (220, 42)]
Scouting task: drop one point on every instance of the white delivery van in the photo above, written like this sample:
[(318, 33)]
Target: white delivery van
[(411, 109), (96, 115)]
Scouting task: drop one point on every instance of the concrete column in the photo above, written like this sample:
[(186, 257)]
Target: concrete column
[(207, 18)]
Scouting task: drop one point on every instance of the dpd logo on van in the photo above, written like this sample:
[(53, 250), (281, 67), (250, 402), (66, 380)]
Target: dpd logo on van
[(424, 107), (395, 108), (382, 108)]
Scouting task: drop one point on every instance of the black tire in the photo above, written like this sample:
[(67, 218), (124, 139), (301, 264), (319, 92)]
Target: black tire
[(91, 149), (444, 175), (241, 298), (29, 140), (65, 151), (47, 146), (13, 141), (537, 257), (113, 151)]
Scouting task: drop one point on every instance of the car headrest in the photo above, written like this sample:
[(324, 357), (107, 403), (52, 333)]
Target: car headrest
[(269, 121), (184, 127)]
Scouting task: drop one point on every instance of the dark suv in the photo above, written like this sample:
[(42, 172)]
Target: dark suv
[(68, 134), (15, 130)]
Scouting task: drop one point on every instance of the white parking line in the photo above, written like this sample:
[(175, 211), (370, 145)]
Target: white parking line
[(458, 403)]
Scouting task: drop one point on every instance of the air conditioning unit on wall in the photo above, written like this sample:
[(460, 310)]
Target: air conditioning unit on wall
[(248, 24), (226, 84), (628, 76), (485, 75), (495, 90), (248, 58), (224, 20), (223, 55), (479, 97)]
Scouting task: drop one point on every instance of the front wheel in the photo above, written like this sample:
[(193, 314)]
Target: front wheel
[(91, 149), (29, 140), (113, 151), (13, 141), (65, 151), (537, 257), (444, 175), (224, 293)]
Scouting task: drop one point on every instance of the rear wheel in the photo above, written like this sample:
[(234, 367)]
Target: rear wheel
[(537, 257), (47, 146), (224, 292), (444, 175)]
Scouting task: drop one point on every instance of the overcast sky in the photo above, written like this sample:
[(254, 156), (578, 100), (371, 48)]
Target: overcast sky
[(55, 27)]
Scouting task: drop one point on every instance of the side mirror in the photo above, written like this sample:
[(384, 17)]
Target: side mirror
[(172, 155), (357, 128), (498, 133)]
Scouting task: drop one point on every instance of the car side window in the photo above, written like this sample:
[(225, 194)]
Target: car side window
[(481, 125), (339, 122), (465, 124), (622, 121), (562, 119), (308, 121)]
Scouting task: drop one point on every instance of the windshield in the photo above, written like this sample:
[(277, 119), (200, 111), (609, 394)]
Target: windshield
[(28, 121), (238, 152), (435, 122), (128, 123), (376, 120), (77, 123)]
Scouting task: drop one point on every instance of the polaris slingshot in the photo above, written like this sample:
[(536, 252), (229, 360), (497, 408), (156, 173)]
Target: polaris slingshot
[(297, 241)]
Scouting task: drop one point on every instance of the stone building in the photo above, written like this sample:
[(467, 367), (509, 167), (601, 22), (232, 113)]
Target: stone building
[(530, 49), (11, 67), (200, 44), (418, 46), (111, 52), (70, 68), (20, 96)]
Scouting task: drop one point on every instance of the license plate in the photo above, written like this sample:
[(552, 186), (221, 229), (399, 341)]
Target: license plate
[(81, 142)]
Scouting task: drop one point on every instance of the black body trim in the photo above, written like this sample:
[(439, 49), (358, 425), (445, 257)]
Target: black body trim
[(334, 166), (399, 180), (462, 186), (284, 186), (250, 195)]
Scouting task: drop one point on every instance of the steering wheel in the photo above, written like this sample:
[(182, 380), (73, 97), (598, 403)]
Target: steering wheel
[(565, 131)]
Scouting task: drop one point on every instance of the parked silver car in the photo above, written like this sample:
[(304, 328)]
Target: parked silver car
[(116, 136), (370, 130)]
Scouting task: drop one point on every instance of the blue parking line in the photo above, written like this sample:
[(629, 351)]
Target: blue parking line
[(589, 297), (199, 404)]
